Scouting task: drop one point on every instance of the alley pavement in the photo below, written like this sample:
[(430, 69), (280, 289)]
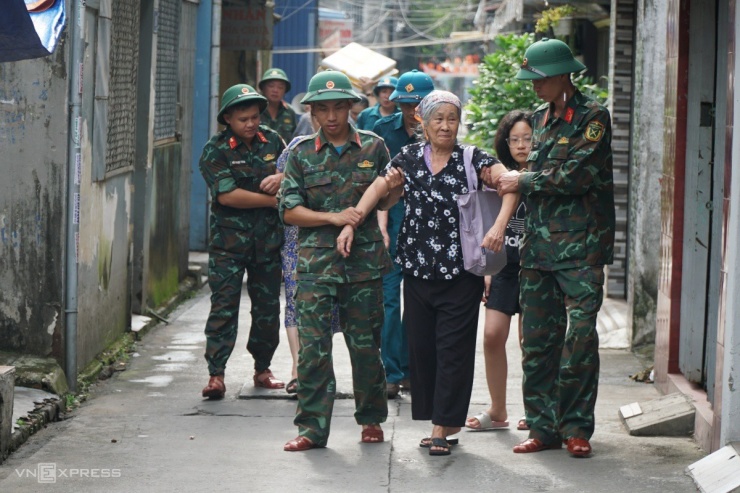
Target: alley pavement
[(147, 429)]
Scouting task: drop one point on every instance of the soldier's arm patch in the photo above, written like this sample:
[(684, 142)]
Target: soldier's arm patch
[(594, 131)]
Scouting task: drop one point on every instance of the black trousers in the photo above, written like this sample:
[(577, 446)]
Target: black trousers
[(441, 319)]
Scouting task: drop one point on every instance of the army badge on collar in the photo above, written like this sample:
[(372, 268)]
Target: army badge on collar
[(594, 131), (563, 140), (365, 164), (269, 157)]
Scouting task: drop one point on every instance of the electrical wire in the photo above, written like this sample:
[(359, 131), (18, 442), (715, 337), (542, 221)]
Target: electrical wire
[(380, 46)]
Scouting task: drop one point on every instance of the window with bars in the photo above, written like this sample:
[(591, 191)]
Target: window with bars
[(165, 102)]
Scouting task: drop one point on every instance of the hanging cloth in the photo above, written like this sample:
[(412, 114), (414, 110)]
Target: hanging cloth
[(30, 28)]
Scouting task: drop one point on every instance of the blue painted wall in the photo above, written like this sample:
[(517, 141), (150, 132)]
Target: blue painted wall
[(201, 125), (297, 29)]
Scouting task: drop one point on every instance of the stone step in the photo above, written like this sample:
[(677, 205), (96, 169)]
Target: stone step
[(670, 415)]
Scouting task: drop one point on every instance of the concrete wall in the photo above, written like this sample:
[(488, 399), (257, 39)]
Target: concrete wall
[(646, 169), (166, 199), (33, 140), (104, 267)]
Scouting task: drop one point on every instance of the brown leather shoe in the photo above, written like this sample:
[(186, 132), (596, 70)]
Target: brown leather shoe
[(531, 445), (583, 447), (215, 388), (266, 380), (393, 390)]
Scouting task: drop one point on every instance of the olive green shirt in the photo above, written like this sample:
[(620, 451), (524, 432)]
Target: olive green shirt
[(569, 188), (320, 179), (285, 122), (226, 164)]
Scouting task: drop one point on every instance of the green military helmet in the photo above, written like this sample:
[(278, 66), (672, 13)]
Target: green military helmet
[(329, 85), (238, 94), (412, 87), (385, 82), (275, 74), (546, 58)]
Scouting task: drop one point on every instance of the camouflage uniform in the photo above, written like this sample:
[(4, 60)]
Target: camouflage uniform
[(318, 178), (568, 238), (242, 239), (284, 123)]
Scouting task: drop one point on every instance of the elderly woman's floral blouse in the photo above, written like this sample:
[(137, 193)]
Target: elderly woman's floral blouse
[(429, 240)]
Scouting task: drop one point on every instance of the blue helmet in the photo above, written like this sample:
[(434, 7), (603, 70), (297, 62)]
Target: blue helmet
[(385, 82), (412, 87)]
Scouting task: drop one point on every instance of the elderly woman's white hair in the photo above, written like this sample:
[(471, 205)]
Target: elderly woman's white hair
[(433, 100)]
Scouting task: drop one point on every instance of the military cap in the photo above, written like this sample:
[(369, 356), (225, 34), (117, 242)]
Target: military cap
[(238, 94), (547, 58)]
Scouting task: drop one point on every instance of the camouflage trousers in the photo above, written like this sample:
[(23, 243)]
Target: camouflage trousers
[(225, 278), (361, 318), (560, 350)]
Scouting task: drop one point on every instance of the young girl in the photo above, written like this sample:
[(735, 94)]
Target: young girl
[(512, 143)]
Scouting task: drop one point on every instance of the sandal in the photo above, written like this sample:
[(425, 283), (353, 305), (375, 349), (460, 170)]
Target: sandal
[(531, 445), (300, 444), (581, 443), (292, 386), (426, 442), (485, 423), (522, 424), (267, 380), (372, 434), (439, 443)]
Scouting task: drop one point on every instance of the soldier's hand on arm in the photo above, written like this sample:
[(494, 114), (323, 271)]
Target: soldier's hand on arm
[(394, 179), (243, 199), (349, 216), (271, 184), (344, 241), (507, 182)]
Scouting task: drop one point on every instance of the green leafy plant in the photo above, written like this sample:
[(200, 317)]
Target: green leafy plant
[(496, 92), (551, 17)]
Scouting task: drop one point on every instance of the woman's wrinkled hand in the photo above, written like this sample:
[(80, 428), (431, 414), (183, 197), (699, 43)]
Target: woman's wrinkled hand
[(494, 238), (344, 241), (394, 178)]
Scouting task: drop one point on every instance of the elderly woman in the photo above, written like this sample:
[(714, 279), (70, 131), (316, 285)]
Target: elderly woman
[(441, 299)]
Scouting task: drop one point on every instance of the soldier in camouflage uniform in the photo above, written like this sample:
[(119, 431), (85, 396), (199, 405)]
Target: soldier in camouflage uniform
[(568, 238), (278, 115), (238, 165), (325, 175)]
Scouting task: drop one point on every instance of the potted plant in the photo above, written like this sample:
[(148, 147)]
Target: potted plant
[(559, 18)]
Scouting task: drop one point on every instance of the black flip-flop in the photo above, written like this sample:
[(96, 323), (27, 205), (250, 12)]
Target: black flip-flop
[(423, 444), (292, 386), (440, 443)]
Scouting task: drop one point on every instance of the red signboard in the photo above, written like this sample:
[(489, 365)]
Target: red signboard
[(246, 27)]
